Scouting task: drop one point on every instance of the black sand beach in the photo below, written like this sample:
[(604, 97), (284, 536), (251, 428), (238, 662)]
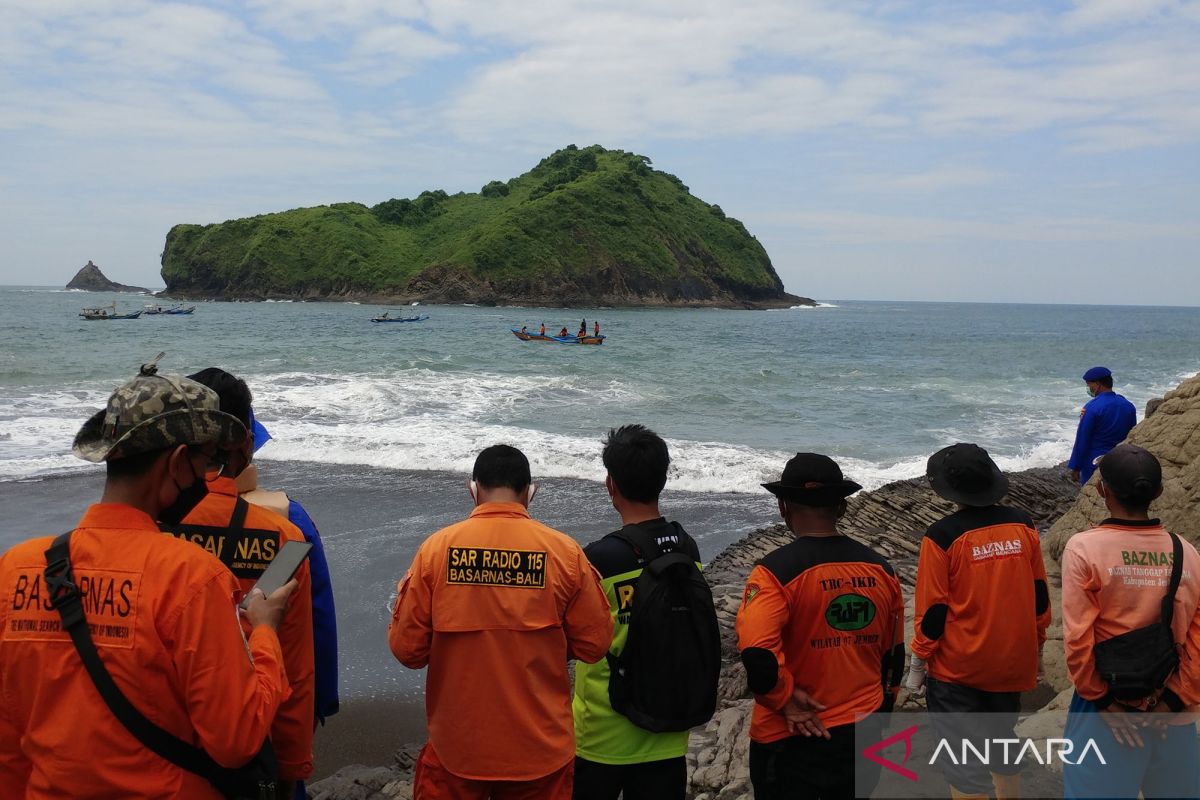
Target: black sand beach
[(371, 522)]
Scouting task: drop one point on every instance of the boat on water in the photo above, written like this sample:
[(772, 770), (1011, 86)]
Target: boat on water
[(526, 336), (107, 312), (387, 317), (151, 309)]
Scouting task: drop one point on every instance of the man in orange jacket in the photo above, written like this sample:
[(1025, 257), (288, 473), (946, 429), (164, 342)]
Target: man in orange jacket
[(246, 538), (162, 615), (495, 606), (821, 634), (980, 617)]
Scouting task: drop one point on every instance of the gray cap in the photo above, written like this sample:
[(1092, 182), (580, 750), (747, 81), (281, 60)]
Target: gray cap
[(154, 412)]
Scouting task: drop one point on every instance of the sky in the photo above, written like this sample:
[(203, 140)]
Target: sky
[(969, 151)]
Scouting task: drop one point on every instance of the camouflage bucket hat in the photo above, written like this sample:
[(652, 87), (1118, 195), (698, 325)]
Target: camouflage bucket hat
[(154, 412)]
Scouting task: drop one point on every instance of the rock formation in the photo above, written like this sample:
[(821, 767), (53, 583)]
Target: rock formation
[(584, 228), (91, 279)]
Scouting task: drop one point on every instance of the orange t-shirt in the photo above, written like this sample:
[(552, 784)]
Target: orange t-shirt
[(164, 622), (830, 611), (495, 606), (1114, 580), (248, 554), (982, 605)]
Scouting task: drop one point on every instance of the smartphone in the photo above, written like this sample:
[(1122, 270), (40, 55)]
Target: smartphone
[(281, 569)]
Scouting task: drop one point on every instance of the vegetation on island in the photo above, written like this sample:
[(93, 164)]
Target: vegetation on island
[(585, 226)]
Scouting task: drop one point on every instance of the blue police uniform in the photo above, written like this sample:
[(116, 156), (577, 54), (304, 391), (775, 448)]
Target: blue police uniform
[(1104, 424)]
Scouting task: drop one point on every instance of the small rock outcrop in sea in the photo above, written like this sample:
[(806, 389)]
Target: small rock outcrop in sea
[(891, 519), (91, 279)]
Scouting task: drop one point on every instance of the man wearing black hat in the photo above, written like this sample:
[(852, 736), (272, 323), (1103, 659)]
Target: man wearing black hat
[(1103, 424), (981, 613), (821, 634)]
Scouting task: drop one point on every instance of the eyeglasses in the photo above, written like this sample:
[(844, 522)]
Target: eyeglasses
[(214, 464)]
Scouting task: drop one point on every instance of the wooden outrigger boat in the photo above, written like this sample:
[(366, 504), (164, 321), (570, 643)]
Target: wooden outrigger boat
[(386, 317), (526, 336), (175, 310), (102, 312)]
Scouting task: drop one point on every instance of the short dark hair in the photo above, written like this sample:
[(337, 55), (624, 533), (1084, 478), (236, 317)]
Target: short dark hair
[(637, 459), (136, 465), (1106, 381), (233, 391), (501, 465)]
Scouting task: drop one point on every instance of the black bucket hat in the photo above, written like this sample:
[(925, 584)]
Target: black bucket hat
[(966, 474), (812, 479)]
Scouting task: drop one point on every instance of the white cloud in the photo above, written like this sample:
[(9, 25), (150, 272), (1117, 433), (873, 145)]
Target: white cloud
[(829, 227)]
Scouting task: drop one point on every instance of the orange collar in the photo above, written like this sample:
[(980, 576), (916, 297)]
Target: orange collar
[(116, 515), (500, 510), (224, 485)]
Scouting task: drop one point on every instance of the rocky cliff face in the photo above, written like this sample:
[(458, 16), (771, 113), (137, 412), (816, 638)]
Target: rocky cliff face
[(891, 520), (91, 279)]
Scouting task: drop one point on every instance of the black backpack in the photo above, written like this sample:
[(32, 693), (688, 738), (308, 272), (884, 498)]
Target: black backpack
[(666, 676)]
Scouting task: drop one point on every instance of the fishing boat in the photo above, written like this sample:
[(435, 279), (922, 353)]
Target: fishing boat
[(107, 312), (175, 309), (526, 336), (387, 317)]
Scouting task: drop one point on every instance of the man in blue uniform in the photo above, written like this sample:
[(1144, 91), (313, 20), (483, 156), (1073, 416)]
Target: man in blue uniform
[(1104, 423)]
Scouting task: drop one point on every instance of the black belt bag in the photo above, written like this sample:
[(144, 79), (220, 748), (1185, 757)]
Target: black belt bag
[(1137, 664), (253, 781)]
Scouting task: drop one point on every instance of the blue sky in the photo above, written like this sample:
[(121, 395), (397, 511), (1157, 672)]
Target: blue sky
[(1044, 152)]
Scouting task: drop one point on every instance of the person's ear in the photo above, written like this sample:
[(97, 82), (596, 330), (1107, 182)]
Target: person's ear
[(783, 509), (1158, 494), (178, 466), (473, 490), (530, 491), (611, 486), (841, 510), (1102, 489)]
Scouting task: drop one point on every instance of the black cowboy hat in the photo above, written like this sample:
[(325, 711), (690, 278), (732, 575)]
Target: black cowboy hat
[(966, 474), (811, 479)]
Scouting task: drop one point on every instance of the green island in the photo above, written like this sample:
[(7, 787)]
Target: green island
[(585, 227)]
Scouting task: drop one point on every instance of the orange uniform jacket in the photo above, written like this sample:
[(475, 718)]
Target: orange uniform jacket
[(165, 625), (823, 614), (982, 604), (495, 605), (1114, 579), (247, 556)]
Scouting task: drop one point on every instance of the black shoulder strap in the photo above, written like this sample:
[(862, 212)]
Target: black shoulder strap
[(64, 596), (238, 521), (1168, 601), (643, 545)]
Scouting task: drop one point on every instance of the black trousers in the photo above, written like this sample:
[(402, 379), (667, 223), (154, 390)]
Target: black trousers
[(813, 768), (650, 780), (960, 712)]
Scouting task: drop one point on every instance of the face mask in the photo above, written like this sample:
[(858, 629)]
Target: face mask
[(187, 499), (1091, 392)]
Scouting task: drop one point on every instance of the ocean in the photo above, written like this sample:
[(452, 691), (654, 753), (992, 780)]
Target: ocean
[(376, 426)]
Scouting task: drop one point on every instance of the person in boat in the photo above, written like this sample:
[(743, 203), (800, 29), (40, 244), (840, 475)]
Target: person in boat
[(384, 315), (563, 332), (543, 330), (595, 328), (523, 329)]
